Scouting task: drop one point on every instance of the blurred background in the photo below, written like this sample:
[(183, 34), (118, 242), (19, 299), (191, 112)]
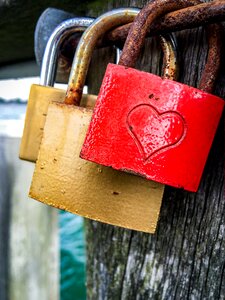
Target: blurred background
[(42, 250)]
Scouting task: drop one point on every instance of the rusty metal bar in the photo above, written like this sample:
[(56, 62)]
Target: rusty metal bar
[(186, 18), (86, 46), (211, 69), (144, 21), (138, 30)]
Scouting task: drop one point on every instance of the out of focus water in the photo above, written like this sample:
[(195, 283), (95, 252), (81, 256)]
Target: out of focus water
[(73, 258), (72, 243)]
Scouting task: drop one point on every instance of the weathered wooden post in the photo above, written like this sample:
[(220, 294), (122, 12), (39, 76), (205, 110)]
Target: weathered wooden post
[(185, 259)]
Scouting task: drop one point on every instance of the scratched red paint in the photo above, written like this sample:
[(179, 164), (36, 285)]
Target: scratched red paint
[(159, 129)]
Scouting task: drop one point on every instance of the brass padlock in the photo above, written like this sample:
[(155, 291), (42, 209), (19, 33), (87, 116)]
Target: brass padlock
[(65, 181), (41, 95)]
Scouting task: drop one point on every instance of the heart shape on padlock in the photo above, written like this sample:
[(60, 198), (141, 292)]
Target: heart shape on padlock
[(153, 131)]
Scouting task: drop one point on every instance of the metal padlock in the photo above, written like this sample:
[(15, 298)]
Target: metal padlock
[(42, 94), (149, 126), (65, 181)]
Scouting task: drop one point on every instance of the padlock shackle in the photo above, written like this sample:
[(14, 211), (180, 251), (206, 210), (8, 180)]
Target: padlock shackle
[(136, 35), (87, 44), (169, 47), (149, 13), (211, 70), (60, 33)]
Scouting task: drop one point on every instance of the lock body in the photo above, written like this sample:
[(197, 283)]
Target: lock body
[(41, 95), (37, 108), (156, 128), (62, 179)]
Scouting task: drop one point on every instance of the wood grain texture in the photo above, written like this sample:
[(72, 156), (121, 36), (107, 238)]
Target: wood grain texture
[(185, 259)]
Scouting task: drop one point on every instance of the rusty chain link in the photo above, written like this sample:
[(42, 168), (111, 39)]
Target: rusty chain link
[(144, 22), (186, 18)]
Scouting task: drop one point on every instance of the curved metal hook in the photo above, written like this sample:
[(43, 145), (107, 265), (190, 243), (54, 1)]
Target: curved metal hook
[(62, 31)]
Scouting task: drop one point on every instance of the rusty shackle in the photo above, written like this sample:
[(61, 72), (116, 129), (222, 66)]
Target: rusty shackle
[(145, 19), (88, 42)]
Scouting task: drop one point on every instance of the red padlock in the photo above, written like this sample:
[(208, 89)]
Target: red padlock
[(149, 126)]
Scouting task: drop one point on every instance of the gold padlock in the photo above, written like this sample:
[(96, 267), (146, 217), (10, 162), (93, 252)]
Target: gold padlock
[(41, 95), (65, 181)]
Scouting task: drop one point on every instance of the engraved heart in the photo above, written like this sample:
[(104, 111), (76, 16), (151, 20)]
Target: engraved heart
[(153, 131)]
